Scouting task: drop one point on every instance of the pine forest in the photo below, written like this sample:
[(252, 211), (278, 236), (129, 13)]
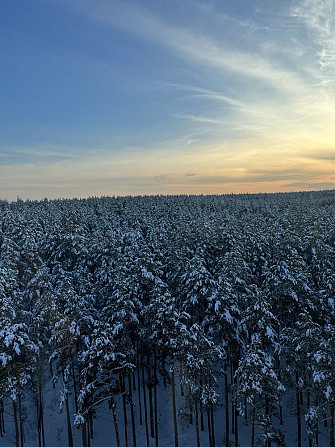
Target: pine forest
[(168, 321)]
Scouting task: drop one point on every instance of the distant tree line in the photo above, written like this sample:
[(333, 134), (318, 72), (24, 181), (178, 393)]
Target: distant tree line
[(228, 301)]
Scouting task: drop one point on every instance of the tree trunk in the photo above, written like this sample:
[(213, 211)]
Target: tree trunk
[(139, 389), (41, 410), (112, 406), (16, 425), (2, 419), (331, 425), (245, 411), (52, 375), (202, 422), (232, 400), (210, 441), (253, 428), (155, 399), (173, 388), (75, 392), (21, 422), (325, 421), (197, 433), (68, 418), (281, 420), (132, 413), (226, 394), (88, 430), (236, 426), (212, 425), (190, 406), (267, 417), (69, 427), (145, 404), (163, 370), (298, 414), (151, 413), (236, 414), (91, 423), (125, 419), (38, 421), (84, 435), (134, 381)]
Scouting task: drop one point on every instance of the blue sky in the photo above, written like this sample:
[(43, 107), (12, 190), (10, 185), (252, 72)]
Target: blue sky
[(103, 97)]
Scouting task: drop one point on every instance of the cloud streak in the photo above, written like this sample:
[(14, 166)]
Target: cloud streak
[(319, 18), (195, 47)]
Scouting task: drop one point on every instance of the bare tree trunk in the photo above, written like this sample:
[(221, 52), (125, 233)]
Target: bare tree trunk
[(52, 375), (210, 441), (132, 413), (245, 411), (16, 425), (268, 417), (145, 404), (253, 428), (212, 425), (182, 393), (68, 418), (125, 419), (325, 421), (88, 429), (236, 414), (2, 419), (151, 413), (298, 414), (38, 421), (134, 381), (41, 411), (69, 427), (236, 426), (163, 370), (91, 424), (173, 387), (331, 425), (232, 400), (75, 392), (226, 394), (155, 399), (21, 422), (112, 406), (83, 435), (281, 420), (197, 433), (202, 422), (139, 388), (190, 406)]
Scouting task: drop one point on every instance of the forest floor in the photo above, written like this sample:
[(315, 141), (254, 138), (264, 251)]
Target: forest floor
[(104, 434)]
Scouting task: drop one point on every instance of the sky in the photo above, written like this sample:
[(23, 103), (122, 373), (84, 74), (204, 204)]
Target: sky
[(104, 97)]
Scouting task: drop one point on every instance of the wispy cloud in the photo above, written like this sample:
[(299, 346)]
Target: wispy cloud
[(300, 105), (195, 47), (319, 18), (198, 119)]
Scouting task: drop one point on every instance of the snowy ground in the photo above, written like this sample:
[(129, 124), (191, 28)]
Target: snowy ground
[(104, 436)]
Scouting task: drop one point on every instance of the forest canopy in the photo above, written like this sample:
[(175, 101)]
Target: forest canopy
[(228, 301)]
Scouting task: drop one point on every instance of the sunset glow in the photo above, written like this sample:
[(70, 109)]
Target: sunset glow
[(104, 97)]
